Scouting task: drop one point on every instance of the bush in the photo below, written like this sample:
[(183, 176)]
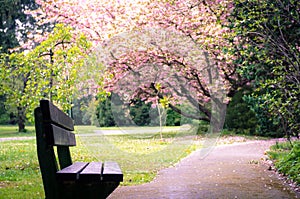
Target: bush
[(111, 111), (287, 159), (239, 117)]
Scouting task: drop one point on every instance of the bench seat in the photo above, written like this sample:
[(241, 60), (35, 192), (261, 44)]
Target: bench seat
[(91, 172)]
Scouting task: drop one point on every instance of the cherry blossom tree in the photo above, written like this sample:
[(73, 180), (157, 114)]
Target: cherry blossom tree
[(160, 73), (98, 20), (186, 58)]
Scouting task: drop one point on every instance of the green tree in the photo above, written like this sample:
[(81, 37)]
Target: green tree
[(15, 25), (79, 110), (267, 124), (47, 71), (239, 116), (268, 53), (4, 115), (104, 112), (139, 112)]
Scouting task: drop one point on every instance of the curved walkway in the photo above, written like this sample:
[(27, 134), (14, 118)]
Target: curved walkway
[(229, 171)]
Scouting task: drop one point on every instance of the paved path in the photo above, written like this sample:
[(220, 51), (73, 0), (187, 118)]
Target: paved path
[(16, 138), (229, 171), (140, 130)]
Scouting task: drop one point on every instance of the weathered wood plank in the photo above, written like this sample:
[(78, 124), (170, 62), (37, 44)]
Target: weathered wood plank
[(112, 172), (57, 136), (71, 173), (92, 172), (53, 114)]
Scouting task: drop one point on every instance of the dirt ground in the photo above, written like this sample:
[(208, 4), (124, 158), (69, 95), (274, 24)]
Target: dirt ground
[(228, 171)]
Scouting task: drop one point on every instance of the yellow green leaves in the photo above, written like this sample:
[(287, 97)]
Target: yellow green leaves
[(158, 87), (164, 102), (47, 71)]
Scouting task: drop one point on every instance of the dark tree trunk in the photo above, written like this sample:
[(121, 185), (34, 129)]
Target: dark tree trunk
[(21, 119)]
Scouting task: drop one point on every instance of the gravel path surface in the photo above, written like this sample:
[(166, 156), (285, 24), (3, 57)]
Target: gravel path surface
[(229, 171), (16, 138)]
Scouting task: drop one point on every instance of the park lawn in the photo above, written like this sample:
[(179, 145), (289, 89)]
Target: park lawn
[(19, 170), (140, 157), (12, 131)]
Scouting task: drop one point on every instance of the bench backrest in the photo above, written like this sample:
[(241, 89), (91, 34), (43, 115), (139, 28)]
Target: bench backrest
[(53, 128)]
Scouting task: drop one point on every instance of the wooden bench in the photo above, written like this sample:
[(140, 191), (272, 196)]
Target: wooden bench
[(61, 177)]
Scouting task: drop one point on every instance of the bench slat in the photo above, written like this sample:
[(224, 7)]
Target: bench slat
[(52, 114), (57, 136), (112, 172), (92, 172), (71, 173)]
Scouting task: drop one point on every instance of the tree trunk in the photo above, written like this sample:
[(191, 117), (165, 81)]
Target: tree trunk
[(21, 119)]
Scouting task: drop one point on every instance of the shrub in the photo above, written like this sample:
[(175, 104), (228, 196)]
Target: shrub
[(287, 159)]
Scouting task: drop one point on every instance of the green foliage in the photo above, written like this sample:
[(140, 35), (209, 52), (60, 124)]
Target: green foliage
[(15, 23), (77, 112), (111, 112), (268, 52), (175, 119), (239, 116), (139, 113), (267, 125), (104, 113), (47, 71), (4, 116), (202, 126), (84, 111), (287, 159)]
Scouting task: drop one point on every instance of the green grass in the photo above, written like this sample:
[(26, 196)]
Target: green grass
[(286, 158), (19, 170), (12, 131), (140, 157)]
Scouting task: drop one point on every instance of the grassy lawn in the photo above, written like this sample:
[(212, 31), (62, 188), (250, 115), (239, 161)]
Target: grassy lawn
[(12, 131), (19, 170), (139, 155)]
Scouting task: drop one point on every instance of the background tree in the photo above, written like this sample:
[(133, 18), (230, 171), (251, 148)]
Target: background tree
[(240, 118), (98, 20), (139, 112), (104, 113), (202, 22), (267, 124), (16, 27), (269, 54), (47, 71), (4, 114)]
